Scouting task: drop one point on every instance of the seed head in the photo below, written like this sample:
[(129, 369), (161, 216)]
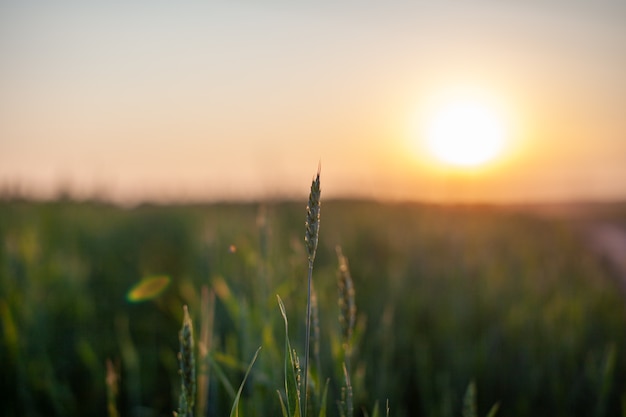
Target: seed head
[(313, 218), (347, 305)]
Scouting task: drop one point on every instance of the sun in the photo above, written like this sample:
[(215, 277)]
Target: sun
[(465, 132)]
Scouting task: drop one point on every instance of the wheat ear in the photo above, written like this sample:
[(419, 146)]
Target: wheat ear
[(347, 306)]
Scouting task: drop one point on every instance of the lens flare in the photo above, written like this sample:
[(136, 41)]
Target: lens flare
[(147, 289)]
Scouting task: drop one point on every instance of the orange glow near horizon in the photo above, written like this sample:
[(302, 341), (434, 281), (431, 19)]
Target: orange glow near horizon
[(470, 142)]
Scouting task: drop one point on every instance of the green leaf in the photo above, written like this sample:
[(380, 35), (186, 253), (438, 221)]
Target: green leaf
[(222, 376), (282, 404), (469, 401), (376, 410), (323, 403), (494, 410), (234, 412)]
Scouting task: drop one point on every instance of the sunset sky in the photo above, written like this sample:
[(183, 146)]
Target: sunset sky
[(240, 99)]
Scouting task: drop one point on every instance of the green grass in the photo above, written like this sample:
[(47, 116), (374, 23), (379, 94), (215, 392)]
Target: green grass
[(443, 295)]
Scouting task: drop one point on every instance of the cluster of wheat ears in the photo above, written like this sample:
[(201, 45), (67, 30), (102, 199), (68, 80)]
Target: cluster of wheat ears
[(302, 395)]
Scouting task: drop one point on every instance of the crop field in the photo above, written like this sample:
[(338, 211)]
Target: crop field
[(514, 302)]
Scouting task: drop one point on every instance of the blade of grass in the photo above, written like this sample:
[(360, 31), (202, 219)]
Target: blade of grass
[(323, 402), (282, 404), (207, 317), (469, 401), (494, 410), (234, 412), (222, 376), (376, 410)]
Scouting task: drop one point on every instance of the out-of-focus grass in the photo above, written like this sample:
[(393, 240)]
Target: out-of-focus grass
[(444, 295)]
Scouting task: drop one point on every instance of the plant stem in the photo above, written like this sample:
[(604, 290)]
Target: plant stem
[(307, 338)]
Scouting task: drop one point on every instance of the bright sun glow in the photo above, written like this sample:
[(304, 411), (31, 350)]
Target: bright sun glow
[(465, 132)]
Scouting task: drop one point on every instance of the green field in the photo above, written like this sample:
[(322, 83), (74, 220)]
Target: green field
[(445, 295)]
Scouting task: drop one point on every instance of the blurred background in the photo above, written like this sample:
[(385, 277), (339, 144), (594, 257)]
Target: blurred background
[(473, 164)]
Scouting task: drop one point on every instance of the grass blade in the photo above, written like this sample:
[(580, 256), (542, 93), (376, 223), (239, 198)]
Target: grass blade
[(323, 402), (234, 412), (282, 404), (469, 401), (494, 410), (221, 375)]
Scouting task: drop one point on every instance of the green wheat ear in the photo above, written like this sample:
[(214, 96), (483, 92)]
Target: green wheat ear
[(187, 364), (347, 305), (313, 218)]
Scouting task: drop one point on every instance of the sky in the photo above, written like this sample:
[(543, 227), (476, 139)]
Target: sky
[(213, 100)]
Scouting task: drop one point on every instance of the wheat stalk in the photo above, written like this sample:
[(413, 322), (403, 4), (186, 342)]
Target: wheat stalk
[(316, 336), (207, 318), (347, 402), (311, 237)]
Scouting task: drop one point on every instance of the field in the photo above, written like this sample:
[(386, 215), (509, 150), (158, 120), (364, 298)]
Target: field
[(512, 298)]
